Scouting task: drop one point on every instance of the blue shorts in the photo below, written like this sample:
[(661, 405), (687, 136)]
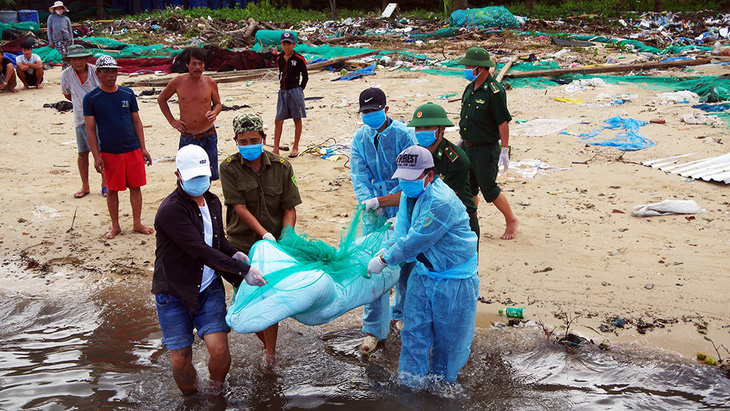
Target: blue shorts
[(177, 322), (290, 104), (210, 145), (81, 142)]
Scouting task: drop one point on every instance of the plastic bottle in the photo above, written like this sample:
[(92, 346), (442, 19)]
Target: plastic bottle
[(512, 312)]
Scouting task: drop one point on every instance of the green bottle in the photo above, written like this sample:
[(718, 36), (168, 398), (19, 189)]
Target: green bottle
[(513, 312)]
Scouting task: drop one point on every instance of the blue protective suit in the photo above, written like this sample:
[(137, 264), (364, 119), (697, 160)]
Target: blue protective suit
[(442, 291), (371, 172)]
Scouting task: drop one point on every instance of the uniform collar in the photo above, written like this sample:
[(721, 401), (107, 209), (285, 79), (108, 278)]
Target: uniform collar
[(439, 152)]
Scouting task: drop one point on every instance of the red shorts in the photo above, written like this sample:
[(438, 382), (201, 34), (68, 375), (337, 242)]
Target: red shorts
[(124, 170)]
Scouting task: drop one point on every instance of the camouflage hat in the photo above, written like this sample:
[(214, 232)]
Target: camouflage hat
[(247, 122)]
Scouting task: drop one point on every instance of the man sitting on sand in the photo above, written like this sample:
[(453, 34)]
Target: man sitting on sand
[(120, 152), (7, 76), (30, 66), (199, 103)]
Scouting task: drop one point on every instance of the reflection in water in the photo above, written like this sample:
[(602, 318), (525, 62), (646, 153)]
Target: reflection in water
[(101, 348)]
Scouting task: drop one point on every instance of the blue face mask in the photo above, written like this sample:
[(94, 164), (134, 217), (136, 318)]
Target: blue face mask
[(374, 119), (196, 186), (426, 138), (411, 188), (469, 74), (251, 152)]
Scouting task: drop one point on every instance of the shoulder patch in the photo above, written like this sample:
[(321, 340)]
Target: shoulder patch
[(428, 219), (494, 88), (281, 160), (294, 180), (451, 154)]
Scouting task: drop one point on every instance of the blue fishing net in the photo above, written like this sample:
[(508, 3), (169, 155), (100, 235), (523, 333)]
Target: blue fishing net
[(628, 139)]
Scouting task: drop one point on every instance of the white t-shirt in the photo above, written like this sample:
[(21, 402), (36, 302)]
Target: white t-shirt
[(71, 84), (34, 58), (208, 273)]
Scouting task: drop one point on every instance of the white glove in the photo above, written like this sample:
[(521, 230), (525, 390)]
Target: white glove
[(269, 237), (241, 257), (504, 158), (371, 203), (391, 220), (254, 277), (377, 264)]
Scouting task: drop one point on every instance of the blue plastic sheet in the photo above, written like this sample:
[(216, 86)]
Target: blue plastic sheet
[(628, 139), (367, 71), (712, 108)]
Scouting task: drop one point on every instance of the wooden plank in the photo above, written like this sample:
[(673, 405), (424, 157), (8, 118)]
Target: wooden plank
[(505, 69), (240, 75), (614, 68)]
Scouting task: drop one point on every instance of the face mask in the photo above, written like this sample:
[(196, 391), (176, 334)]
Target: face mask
[(426, 138), (469, 74), (412, 188), (59, 12), (251, 152), (374, 119), (196, 186)]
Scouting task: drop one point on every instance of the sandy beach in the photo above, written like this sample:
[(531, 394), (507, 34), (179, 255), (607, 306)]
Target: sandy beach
[(579, 250)]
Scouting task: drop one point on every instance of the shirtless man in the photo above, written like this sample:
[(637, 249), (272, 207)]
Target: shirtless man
[(199, 103)]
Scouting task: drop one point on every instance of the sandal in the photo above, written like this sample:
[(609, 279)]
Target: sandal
[(81, 194), (103, 191)]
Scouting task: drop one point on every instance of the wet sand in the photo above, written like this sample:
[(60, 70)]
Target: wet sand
[(573, 254)]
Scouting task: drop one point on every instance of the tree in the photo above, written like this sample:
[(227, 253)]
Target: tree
[(333, 7), (461, 4), (100, 10)]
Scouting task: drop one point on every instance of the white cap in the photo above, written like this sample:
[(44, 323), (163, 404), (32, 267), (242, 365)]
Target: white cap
[(106, 62), (192, 161), (412, 161)]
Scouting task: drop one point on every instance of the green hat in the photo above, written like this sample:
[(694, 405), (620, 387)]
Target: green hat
[(77, 50), (247, 122), (429, 115), (476, 56)]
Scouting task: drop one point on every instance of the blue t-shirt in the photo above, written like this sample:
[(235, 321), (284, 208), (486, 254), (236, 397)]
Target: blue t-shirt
[(113, 114)]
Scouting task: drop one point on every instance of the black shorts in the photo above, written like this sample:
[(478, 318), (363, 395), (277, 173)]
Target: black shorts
[(31, 79)]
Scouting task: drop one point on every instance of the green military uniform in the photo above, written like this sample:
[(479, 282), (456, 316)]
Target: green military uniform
[(482, 111), (266, 194), (450, 162), (452, 166)]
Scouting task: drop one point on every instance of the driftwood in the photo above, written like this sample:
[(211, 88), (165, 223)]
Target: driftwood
[(505, 69), (616, 68), (239, 75)]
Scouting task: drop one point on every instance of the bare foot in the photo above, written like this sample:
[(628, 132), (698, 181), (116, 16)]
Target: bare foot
[(113, 233), (275, 152), (26, 88), (142, 229), (269, 360), (14, 90), (38, 87), (511, 231)]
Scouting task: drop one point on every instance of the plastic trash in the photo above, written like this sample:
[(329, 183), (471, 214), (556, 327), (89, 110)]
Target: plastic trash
[(667, 207), (512, 312)]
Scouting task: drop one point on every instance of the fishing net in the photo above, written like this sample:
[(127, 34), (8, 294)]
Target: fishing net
[(310, 280), (494, 16), (627, 140), (22, 26)]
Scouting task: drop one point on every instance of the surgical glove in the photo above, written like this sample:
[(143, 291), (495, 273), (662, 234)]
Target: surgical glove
[(391, 220), (377, 264), (241, 257), (504, 158), (269, 236), (254, 277), (371, 203)]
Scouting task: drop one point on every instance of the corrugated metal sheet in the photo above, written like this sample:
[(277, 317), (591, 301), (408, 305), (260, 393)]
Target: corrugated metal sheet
[(707, 169)]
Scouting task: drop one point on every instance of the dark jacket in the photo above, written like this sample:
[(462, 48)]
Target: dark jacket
[(290, 71), (181, 250)]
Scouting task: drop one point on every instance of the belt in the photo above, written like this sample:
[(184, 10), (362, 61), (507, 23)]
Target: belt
[(205, 133), (475, 144)]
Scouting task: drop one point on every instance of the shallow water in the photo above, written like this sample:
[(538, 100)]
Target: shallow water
[(82, 347)]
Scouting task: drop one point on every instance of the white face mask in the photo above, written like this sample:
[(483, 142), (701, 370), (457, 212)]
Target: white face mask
[(59, 12)]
